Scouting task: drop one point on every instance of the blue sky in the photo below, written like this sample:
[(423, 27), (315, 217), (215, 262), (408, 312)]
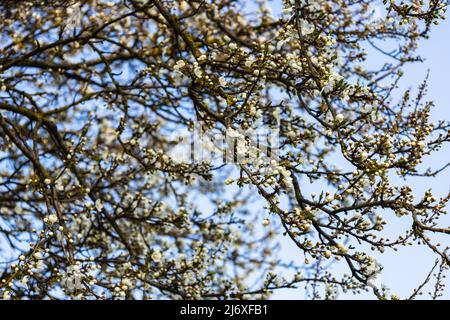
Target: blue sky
[(404, 270)]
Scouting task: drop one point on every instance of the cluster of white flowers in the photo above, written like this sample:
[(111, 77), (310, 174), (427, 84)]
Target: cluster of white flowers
[(105, 156)]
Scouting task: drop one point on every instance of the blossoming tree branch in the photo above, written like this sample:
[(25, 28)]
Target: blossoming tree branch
[(96, 203)]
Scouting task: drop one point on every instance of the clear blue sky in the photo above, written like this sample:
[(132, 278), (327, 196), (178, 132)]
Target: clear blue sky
[(405, 269)]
